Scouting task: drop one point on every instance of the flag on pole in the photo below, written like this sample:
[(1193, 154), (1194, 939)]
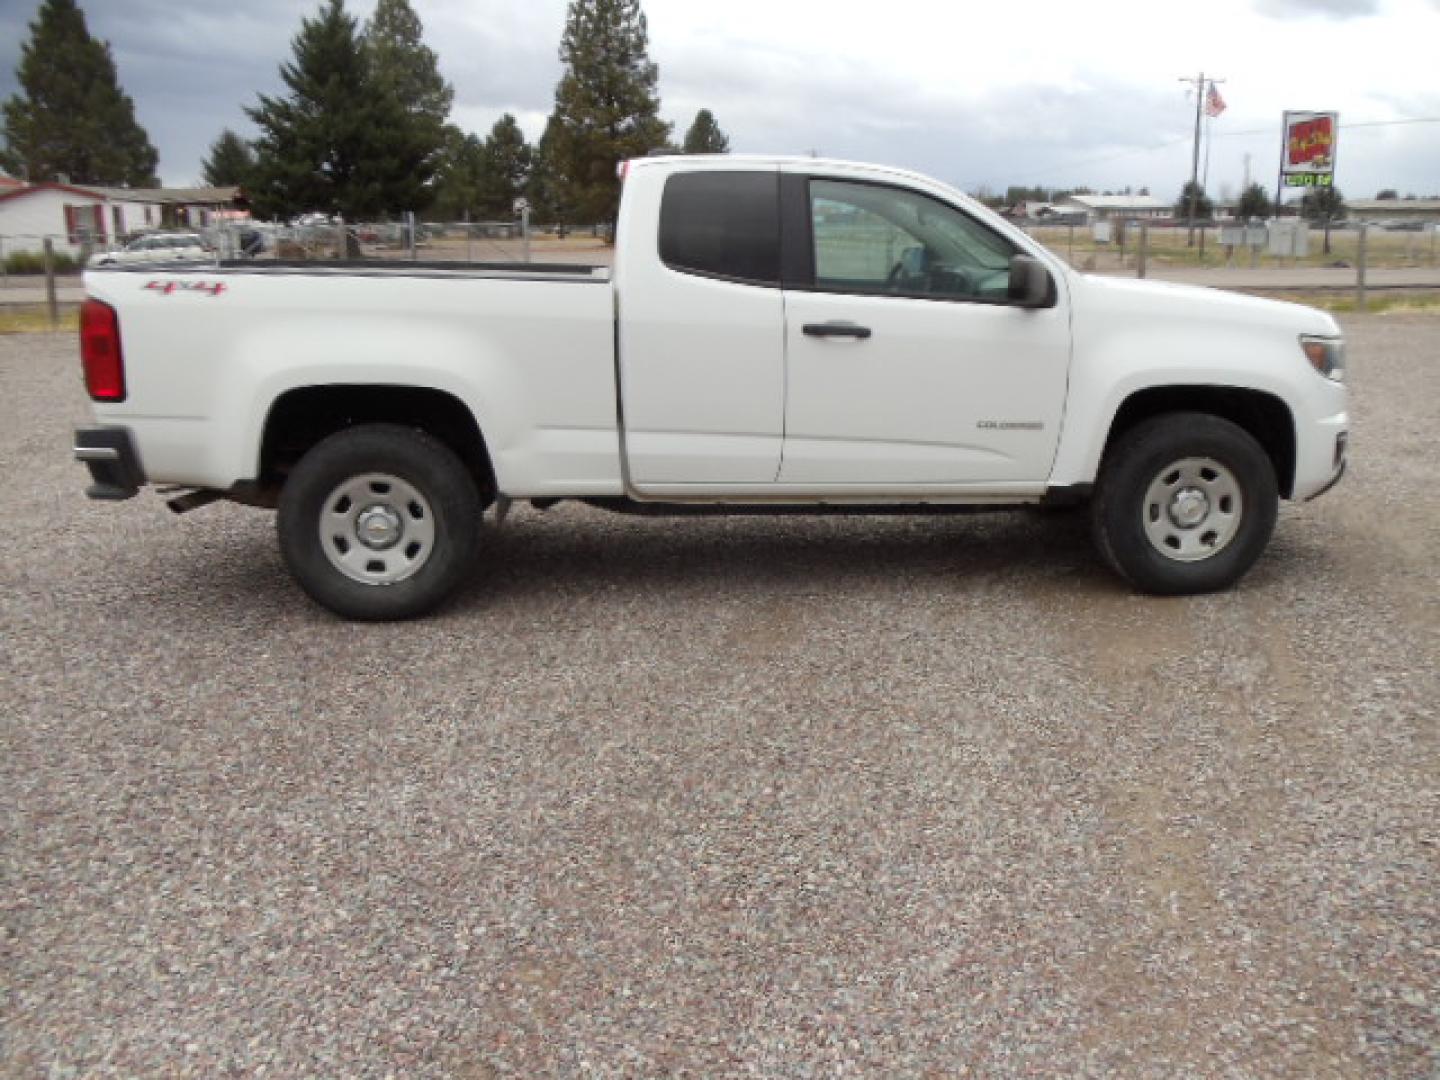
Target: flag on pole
[(1214, 103)]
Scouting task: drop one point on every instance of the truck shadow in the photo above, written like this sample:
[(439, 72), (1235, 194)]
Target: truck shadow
[(578, 552)]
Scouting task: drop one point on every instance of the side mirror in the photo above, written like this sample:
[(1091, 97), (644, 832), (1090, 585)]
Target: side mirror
[(1030, 285)]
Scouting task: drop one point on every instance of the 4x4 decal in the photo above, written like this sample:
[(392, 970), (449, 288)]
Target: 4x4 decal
[(211, 288)]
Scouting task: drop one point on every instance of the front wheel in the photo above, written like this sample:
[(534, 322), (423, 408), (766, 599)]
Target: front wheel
[(1185, 504), (379, 522)]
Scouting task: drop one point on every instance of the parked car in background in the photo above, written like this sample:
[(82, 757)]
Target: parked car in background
[(158, 248)]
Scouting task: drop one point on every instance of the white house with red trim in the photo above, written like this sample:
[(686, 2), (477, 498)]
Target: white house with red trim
[(74, 215)]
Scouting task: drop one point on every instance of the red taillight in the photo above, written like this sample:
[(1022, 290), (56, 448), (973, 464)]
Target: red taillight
[(100, 351)]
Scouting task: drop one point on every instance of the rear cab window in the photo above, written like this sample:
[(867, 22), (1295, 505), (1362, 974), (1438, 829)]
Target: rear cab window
[(722, 224)]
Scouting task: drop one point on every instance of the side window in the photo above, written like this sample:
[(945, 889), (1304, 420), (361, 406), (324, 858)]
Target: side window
[(722, 224), (872, 238)]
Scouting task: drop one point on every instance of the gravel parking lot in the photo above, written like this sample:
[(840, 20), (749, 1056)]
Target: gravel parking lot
[(786, 797)]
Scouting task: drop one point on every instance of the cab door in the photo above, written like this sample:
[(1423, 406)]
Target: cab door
[(906, 362), (701, 327)]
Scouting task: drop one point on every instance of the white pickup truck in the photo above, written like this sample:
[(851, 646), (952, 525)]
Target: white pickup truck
[(776, 334)]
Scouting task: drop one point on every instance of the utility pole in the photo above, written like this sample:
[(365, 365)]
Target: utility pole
[(1200, 83)]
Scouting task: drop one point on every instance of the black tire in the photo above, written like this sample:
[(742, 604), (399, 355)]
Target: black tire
[(1141, 526), (427, 505)]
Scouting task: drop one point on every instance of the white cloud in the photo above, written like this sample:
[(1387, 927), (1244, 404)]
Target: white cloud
[(1051, 92), (1329, 9)]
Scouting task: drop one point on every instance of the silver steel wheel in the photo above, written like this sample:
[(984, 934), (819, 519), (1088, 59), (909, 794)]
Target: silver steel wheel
[(1192, 509), (377, 529)]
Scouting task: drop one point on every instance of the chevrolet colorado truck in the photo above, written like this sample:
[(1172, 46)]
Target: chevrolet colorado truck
[(775, 335)]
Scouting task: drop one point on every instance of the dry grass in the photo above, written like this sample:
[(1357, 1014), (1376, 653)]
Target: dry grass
[(1168, 248), (1418, 301), (34, 319)]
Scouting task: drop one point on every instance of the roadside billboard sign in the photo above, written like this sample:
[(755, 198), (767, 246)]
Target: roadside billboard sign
[(1307, 157)]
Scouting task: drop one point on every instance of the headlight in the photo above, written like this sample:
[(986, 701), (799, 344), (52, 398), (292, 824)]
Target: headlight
[(1326, 355)]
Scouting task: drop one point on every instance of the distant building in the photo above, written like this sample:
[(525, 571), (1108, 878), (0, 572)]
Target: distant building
[(1103, 207), (1393, 211), (74, 215)]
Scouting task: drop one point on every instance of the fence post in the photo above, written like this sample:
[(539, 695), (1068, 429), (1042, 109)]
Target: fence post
[(5, 274), (1360, 269), (525, 232), (1072, 244), (1144, 251), (410, 232), (50, 301)]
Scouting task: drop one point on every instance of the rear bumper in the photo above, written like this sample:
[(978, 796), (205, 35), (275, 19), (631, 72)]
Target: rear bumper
[(109, 454)]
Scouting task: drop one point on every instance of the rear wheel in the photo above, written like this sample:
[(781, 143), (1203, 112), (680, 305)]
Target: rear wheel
[(379, 522), (1185, 504)]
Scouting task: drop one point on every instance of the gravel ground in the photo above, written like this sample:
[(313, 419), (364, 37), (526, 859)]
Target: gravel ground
[(787, 797)]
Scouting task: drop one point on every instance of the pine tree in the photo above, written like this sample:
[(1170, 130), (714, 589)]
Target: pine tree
[(548, 183), (606, 104), (460, 177), (71, 118), (705, 136), (1254, 203), (231, 161), (1203, 206), (341, 140), (1324, 205), (407, 68), (407, 77), (508, 159)]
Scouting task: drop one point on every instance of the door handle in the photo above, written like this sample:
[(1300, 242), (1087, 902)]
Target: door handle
[(836, 329)]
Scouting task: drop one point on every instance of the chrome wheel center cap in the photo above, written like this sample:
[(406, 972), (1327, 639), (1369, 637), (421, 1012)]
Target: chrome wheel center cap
[(1189, 507), (378, 527)]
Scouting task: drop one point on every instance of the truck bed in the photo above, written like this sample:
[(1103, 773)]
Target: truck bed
[(427, 268), (528, 349)]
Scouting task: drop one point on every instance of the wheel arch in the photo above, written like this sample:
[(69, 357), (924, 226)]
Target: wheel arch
[(1264, 416), (302, 416)]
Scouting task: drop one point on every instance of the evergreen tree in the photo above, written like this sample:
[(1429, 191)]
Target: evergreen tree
[(1016, 194), (606, 104), (460, 178), (547, 183), (231, 161), (341, 140), (508, 159), (71, 119), (1323, 205), (395, 38), (1204, 208), (705, 136), (1254, 203), (407, 68)]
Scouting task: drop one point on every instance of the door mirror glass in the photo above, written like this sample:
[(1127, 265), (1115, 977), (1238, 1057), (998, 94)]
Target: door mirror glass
[(1030, 284)]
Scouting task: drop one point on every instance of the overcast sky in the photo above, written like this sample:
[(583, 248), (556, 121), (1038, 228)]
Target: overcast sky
[(1054, 93)]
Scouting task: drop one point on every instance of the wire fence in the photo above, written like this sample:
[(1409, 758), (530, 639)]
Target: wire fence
[(315, 238), (1108, 245), (1125, 243)]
